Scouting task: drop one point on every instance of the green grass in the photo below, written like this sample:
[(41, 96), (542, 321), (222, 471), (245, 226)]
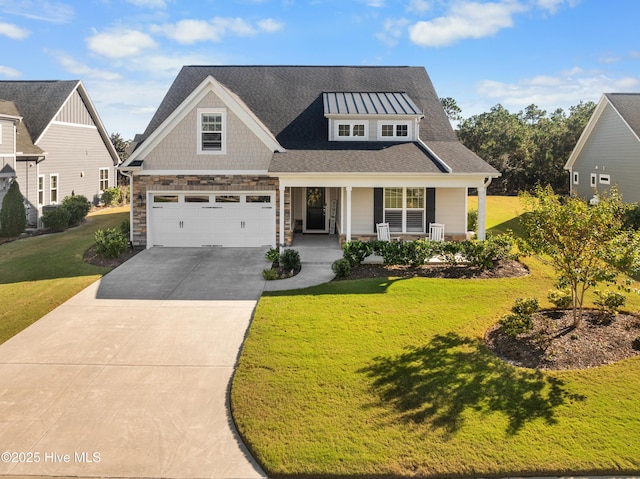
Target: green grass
[(390, 377), (38, 274)]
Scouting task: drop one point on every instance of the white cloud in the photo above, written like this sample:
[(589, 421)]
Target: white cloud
[(465, 20), (148, 3), (86, 72), (13, 31), (120, 43), (552, 6), (9, 72), (392, 31), (419, 6), (54, 12), (191, 31)]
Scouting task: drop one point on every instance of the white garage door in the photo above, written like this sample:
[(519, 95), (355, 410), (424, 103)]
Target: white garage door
[(211, 219)]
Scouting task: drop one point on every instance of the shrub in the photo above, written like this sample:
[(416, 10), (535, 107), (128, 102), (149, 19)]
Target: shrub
[(525, 306), (356, 251), (632, 218), (13, 216), (514, 324), (56, 219), (290, 260), (561, 298), (273, 255), (636, 343), (270, 274), (610, 301), (111, 196), (125, 193), (341, 267), (110, 242), (125, 228), (78, 207), (472, 220)]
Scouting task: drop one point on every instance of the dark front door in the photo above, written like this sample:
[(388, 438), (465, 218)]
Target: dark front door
[(316, 209)]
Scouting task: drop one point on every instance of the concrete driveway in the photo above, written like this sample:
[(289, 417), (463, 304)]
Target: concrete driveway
[(130, 377)]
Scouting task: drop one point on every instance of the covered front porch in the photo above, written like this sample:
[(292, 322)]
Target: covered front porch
[(328, 206)]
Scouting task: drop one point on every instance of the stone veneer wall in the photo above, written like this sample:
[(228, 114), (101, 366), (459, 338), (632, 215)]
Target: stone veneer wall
[(144, 183)]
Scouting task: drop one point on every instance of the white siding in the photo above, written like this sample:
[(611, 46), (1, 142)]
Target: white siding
[(611, 149), (451, 209), (7, 135), (362, 211), (179, 149)]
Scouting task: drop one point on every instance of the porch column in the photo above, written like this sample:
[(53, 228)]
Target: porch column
[(482, 213), (282, 213), (348, 228)]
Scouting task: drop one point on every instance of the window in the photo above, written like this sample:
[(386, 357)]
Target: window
[(53, 189), (576, 178), (393, 131), (211, 130), (196, 199), (351, 131), (41, 190), (165, 198), (404, 209), (104, 178), (605, 179), (593, 180), (227, 199), (258, 199)]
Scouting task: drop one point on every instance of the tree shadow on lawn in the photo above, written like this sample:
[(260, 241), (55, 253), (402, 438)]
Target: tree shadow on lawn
[(436, 383)]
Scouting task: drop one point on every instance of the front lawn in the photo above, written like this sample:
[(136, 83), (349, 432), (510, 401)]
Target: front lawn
[(390, 377), (38, 274)]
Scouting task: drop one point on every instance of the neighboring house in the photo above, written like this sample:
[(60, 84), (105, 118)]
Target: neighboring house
[(608, 151), (248, 155), (53, 142)]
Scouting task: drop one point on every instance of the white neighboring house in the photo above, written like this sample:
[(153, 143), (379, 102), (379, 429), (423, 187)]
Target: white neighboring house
[(608, 151), (54, 143), (250, 155)]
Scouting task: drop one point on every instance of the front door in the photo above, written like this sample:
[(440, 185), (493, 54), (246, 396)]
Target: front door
[(316, 209)]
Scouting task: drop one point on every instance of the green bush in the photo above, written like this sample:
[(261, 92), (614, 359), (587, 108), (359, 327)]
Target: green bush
[(78, 207), (472, 220), (341, 267), (561, 298), (56, 219), (125, 193), (356, 251), (111, 196), (513, 324), (273, 255), (609, 301), (290, 260), (525, 306), (13, 216), (125, 228), (636, 343), (110, 242), (270, 274)]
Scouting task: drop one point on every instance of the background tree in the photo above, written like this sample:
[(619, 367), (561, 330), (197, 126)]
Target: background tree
[(585, 244), (120, 145), (451, 108), (13, 216)]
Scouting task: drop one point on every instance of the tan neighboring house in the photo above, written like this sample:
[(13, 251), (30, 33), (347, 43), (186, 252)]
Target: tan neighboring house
[(251, 155), (608, 151), (53, 143)]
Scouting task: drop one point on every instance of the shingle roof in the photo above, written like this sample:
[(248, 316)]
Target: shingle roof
[(628, 105), (24, 143), (37, 101), (289, 101)]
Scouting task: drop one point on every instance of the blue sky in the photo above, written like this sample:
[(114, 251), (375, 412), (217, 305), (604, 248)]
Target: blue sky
[(554, 53)]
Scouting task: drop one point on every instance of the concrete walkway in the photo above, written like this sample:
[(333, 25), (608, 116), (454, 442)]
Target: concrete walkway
[(130, 377)]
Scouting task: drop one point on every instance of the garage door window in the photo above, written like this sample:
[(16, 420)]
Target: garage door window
[(227, 199), (165, 198), (196, 199), (258, 199)]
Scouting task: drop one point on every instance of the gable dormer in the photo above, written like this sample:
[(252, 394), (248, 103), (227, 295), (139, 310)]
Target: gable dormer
[(371, 116)]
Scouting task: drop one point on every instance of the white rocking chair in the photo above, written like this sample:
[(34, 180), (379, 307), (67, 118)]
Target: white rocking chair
[(384, 234), (436, 231)]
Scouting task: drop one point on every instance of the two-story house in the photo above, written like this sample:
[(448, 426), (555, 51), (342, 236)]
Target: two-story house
[(248, 155)]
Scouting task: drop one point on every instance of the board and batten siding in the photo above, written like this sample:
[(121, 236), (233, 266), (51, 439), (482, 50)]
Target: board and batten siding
[(75, 112), (611, 149), (178, 150), (76, 154)]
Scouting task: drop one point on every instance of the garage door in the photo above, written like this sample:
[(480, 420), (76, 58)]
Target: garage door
[(211, 219)]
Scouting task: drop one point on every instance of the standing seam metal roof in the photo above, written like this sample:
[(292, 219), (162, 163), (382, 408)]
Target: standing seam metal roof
[(369, 103)]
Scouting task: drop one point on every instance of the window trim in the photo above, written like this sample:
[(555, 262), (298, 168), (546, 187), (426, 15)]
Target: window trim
[(56, 189), (395, 136), (101, 180), (592, 180), (576, 178), (40, 190), (604, 179), (208, 111), (351, 136)]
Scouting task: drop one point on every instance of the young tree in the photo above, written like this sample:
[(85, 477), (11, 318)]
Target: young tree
[(13, 217), (120, 145), (585, 244)]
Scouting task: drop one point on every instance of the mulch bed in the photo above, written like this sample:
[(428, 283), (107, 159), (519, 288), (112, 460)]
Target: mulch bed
[(555, 344), (90, 256), (502, 269)]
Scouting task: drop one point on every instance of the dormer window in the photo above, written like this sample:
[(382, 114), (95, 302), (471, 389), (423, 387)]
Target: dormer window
[(350, 130), (388, 130)]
